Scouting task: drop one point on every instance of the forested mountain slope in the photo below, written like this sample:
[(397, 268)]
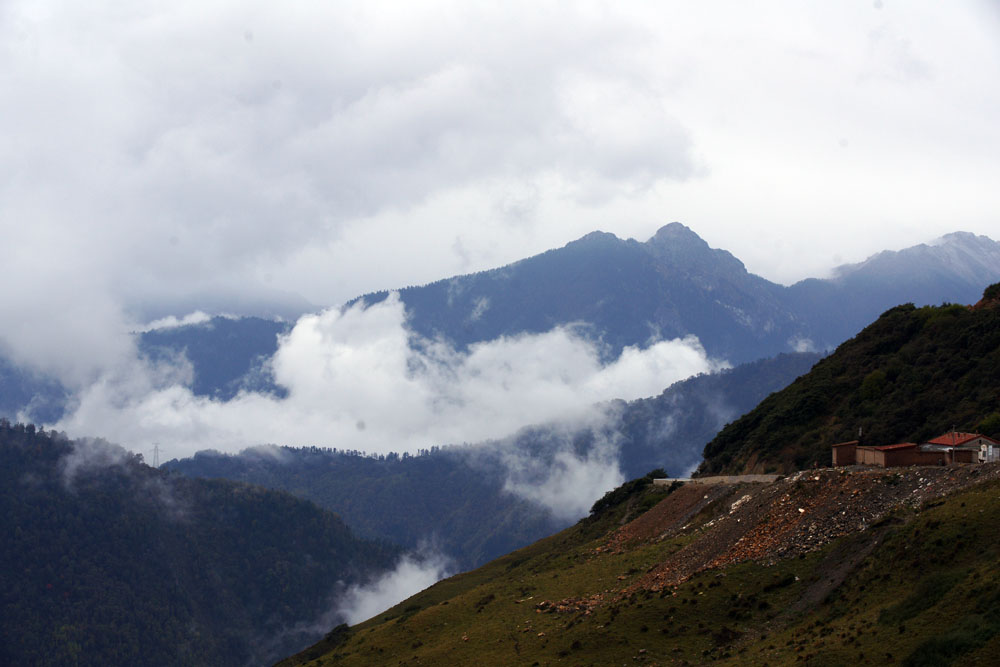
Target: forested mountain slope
[(106, 561), (911, 375), (442, 497)]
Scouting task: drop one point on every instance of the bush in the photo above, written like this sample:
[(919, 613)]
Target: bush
[(990, 426)]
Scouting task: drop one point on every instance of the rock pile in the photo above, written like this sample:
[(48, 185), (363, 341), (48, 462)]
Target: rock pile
[(794, 515)]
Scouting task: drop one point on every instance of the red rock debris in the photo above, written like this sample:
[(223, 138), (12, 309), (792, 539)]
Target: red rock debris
[(768, 522)]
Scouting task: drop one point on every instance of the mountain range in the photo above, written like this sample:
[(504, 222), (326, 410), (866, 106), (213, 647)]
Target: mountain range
[(673, 285), (616, 292), (626, 293)]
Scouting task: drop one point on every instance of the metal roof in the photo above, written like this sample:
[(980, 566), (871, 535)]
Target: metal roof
[(902, 445), (953, 438)]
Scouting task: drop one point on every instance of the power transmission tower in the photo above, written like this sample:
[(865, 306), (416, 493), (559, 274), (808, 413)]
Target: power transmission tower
[(156, 455)]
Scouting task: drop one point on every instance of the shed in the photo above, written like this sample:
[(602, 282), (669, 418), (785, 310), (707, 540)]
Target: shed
[(844, 453), (902, 454), (951, 454)]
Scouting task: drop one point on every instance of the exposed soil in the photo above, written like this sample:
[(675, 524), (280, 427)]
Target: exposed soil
[(668, 517), (796, 514)]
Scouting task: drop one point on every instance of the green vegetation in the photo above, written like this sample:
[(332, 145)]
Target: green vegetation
[(108, 561), (625, 491), (990, 426), (913, 374), (443, 493)]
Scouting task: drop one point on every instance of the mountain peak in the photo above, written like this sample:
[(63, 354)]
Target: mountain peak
[(680, 246), (974, 259), (676, 233), (960, 237), (598, 237)]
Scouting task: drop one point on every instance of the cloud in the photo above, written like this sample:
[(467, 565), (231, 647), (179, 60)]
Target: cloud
[(345, 368), (90, 455), (802, 344), (481, 305), (172, 322), (563, 478), (412, 574), (228, 158), (251, 159), (94, 456)]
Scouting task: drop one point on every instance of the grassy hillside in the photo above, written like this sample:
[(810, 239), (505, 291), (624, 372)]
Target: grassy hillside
[(739, 574), (911, 375)]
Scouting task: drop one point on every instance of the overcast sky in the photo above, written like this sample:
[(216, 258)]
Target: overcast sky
[(155, 151), (249, 156)]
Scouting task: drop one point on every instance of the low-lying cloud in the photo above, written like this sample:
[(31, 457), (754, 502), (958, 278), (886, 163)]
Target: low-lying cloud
[(358, 379), (570, 465), (572, 484), (412, 574), (172, 321), (90, 454)]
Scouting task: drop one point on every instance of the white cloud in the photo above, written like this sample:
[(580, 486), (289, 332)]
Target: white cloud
[(355, 382), (412, 574), (802, 344), (231, 156), (562, 478), (172, 321), (89, 455), (573, 484)]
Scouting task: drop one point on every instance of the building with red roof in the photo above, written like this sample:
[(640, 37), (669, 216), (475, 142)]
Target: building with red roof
[(954, 447)]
